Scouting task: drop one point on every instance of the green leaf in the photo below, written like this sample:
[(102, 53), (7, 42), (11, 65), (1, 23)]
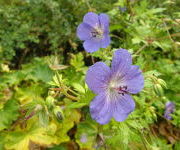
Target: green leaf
[(136, 40), (8, 113), (29, 93), (87, 97), (20, 139), (43, 72), (43, 118), (76, 105), (59, 147), (86, 135), (2, 141), (71, 117), (152, 72), (79, 87), (77, 61)]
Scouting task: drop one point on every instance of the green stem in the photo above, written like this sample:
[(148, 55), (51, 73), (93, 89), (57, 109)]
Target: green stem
[(64, 89), (143, 47), (72, 91)]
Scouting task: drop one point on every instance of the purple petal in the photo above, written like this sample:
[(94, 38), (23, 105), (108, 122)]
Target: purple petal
[(123, 107), (121, 62), (104, 22), (120, 117), (170, 105), (167, 115), (134, 80), (170, 108), (105, 41), (100, 109), (91, 45), (84, 31), (97, 77), (91, 19)]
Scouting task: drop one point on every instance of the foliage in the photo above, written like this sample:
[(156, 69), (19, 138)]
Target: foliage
[(9, 113), (44, 101)]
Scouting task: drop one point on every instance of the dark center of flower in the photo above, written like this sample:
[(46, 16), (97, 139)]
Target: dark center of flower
[(121, 90), (97, 33)]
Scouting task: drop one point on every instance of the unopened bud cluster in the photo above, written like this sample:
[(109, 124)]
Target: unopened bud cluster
[(158, 86)]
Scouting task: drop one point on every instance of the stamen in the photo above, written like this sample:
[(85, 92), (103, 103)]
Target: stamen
[(98, 33), (94, 34), (122, 90)]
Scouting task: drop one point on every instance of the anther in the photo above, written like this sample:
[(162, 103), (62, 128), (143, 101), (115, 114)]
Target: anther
[(122, 90)]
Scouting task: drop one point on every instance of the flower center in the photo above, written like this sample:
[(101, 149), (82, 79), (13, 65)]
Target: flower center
[(120, 89), (97, 33)]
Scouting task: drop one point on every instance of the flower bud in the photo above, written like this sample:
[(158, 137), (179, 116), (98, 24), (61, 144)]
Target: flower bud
[(152, 110), (162, 83), (50, 101), (51, 93), (158, 90), (58, 113)]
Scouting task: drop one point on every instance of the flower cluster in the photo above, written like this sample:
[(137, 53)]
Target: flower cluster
[(113, 85), (169, 109)]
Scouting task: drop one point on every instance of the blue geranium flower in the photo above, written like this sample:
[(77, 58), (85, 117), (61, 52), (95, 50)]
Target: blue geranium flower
[(170, 107), (94, 31), (113, 87)]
